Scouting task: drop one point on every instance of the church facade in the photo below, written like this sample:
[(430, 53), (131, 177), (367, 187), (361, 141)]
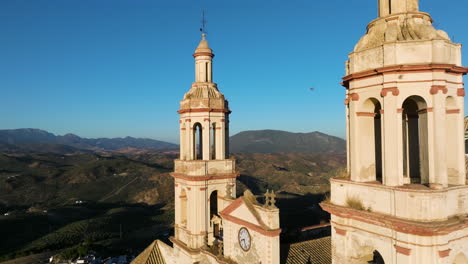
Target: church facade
[(211, 225), (405, 198)]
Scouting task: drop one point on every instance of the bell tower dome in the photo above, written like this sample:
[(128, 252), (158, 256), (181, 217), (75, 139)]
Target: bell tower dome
[(204, 175)]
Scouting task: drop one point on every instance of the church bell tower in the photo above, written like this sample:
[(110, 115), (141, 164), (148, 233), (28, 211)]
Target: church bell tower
[(404, 198), (205, 175)]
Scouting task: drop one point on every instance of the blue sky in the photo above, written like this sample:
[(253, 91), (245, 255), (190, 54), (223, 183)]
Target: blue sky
[(114, 68)]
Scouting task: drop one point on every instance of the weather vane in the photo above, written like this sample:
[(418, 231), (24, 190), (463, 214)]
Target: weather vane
[(203, 22)]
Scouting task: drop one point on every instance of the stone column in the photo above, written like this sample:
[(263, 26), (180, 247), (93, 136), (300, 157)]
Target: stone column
[(354, 142), (440, 158), (391, 160), (206, 139)]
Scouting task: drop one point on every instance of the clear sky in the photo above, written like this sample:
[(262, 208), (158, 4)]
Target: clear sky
[(115, 68)]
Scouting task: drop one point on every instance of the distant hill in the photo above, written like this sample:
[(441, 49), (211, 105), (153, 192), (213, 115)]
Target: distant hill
[(36, 140), (273, 141)]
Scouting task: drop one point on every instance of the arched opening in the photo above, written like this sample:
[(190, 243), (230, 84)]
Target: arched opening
[(378, 142), (213, 204), (213, 141), (370, 138), (377, 258), (415, 141), (214, 212), (183, 208), (466, 134), (197, 141)]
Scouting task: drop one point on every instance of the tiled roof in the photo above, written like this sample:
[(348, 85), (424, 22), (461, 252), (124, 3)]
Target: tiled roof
[(151, 255), (316, 251)]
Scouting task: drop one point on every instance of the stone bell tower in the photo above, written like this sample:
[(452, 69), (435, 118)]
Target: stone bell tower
[(405, 198), (204, 174)]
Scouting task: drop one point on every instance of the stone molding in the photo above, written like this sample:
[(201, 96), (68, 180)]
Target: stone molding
[(201, 110), (449, 68), (397, 224), (205, 177)]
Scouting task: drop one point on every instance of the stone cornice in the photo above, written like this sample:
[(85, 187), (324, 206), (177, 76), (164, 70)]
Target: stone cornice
[(202, 110), (397, 224), (449, 68), (204, 177)]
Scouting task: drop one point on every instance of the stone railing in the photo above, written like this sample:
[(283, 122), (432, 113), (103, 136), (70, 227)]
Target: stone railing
[(205, 167), (420, 204)]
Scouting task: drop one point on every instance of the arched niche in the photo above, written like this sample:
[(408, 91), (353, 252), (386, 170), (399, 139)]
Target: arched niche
[(197, 141), (370, 138), (415, 140), (213, 141)]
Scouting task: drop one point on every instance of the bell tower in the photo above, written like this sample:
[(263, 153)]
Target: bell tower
[(404, 198), (204, 175), (388, 7)]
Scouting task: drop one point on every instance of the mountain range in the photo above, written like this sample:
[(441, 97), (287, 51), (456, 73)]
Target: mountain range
[(36, 140), (29, 140), (274, 141)]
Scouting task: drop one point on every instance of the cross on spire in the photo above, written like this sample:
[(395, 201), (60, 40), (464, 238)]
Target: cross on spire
[(203, 22)]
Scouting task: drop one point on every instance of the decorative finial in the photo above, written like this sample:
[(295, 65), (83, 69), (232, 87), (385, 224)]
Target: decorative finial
[(270, 200), (203, 36)]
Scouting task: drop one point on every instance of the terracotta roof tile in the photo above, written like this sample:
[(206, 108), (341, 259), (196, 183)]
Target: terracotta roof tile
[(316, 251)]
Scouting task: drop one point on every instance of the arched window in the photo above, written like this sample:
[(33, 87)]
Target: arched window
[(213, 141), (415, 141), (183, 208), (378, 141), (214, 212), (197, 141), (370, 140), (377, 258), (213, 204)]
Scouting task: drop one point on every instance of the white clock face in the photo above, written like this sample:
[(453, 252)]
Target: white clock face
[(244, 239)]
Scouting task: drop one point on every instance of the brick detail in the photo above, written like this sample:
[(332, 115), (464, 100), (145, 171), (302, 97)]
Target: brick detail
[(461, 92), (370, 114), (452, 111), (340, 231), (436, 88), (403, 250), (351, 96), (444, 253), (394, 91)]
